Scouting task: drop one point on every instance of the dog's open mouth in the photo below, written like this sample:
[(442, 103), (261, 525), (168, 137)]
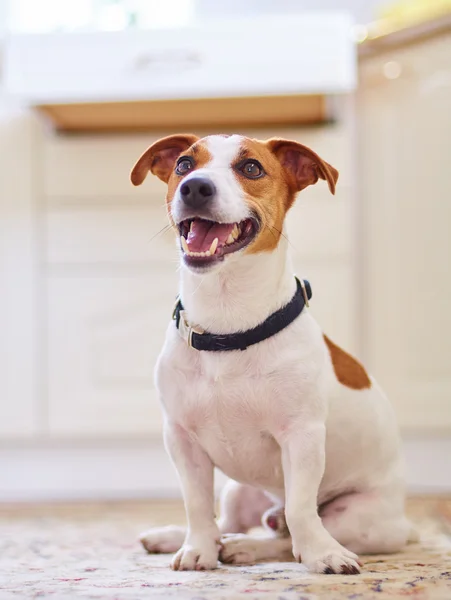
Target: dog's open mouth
[(204, 242)]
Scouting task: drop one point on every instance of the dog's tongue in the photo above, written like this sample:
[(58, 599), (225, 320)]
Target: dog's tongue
[(203, 233)]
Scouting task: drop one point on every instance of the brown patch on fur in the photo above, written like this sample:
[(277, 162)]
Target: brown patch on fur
[(160, 157), (347, 369), (268, 196), (302, 166)]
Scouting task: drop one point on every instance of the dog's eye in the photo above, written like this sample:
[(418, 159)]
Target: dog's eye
[(251, 169), (184, 165)]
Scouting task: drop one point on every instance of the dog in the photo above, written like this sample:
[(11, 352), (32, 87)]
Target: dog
[(250, 384)]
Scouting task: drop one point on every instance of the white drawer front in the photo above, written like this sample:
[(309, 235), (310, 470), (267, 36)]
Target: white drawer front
[(77, 167), (309, 53)]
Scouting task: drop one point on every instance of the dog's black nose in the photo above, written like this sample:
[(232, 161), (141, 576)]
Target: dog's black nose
[(197, 191)]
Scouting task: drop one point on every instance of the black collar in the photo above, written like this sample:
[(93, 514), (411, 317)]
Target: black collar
[(201, 340)]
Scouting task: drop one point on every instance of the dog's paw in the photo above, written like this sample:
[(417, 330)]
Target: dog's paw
[(237, 549), (196, 557), (163, 540), (333, 560)]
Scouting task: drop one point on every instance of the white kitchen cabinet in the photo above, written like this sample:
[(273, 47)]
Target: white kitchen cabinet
[(110, 285), (405, 150)]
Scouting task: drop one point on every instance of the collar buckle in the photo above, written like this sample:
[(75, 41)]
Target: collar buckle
[(304, 292), (186, 330), (174, 310)]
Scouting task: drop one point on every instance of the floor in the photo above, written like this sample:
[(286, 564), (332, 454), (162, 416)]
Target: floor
[(90, 551)]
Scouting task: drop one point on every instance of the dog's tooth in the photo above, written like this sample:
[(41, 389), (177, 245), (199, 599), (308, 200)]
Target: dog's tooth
[(207, 253), (214, 245), (235, 231), (230, 239), (202, 254), (184, 245)]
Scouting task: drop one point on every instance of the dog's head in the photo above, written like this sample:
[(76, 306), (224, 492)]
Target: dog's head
[(229, 195)]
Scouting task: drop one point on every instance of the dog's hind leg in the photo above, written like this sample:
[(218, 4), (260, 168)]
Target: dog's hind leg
[(368, 523), (241, 509), (240, 548), (365, 523), (163, 540)]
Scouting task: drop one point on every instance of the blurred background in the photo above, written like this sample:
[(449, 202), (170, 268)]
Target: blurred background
[(86, 285)]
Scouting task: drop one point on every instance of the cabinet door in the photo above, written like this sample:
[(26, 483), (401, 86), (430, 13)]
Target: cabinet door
[(405, 138), (110, 292), (104, 337), (110, 284)]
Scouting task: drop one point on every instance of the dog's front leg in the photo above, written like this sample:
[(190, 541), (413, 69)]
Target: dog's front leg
[(303, 460), (195, 469)]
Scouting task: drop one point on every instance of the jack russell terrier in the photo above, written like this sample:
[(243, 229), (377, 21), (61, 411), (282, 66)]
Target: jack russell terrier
[(249, 383)]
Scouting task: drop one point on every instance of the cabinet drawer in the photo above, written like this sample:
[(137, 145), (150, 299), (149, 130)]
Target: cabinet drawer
[(190, 62), (85, 167)]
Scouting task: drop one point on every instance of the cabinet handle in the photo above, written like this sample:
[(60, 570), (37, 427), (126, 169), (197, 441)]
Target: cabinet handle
[(172, 60)]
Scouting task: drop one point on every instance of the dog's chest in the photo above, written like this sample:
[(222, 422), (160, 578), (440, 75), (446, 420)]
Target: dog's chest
[(228, 402)]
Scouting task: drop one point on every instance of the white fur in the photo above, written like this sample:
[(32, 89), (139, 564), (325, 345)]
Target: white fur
[(229, 205), (273, 417)]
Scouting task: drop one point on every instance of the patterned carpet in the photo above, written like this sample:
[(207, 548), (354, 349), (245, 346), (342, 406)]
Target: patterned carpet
[(90, 551)]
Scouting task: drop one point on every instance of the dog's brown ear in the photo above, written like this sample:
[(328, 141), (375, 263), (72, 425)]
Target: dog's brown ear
[(302, 166), (159, 158)]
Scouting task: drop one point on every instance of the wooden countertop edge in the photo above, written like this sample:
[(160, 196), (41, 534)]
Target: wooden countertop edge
[(382, 39), (187, 113)]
